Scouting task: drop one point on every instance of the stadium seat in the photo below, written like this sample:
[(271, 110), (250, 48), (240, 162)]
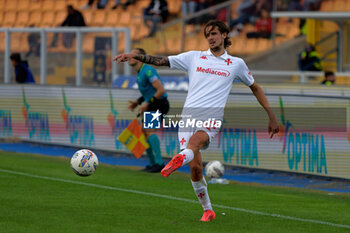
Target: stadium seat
[(60, 6), (125, 18), (35, 5), (140, 5), (137, 18), (263, 44), (87, 14), (10, 5), (248, 28), (143, 31), (24, 42), (19, 42), (98, 19), (22, 19), (329, 26), (35, 18), (327, 6), (9, 19), (174, 7), (88, 43), (1, 17), (2, 41), (251, 46), (339, 5), (281, 28), (23, 6), (202, 43), (293, 31), (149, 44), (48, 6), (191, 42), (108, 6), (121, 43), (238, 45), (347, 6), (2, 6), (59, 18), (48, 19), (112, 18), (133, 31)]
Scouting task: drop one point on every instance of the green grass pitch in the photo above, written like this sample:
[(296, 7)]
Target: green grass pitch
[(42, 194)]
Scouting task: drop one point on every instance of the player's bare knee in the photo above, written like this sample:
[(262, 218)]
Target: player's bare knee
[(194, 144), (197, 141)]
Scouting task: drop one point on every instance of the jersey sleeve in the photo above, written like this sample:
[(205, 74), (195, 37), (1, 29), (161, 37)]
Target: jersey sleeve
[(244, 74), (181, 61), (152, 75)]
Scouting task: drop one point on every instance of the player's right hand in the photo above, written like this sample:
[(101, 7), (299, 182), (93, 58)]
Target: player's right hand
[(132, 105), (273, 127), (123, 57)]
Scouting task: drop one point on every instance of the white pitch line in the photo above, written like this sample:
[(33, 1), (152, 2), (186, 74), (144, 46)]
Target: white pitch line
[(174, 198)]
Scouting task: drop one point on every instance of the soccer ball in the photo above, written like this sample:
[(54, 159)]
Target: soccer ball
[(214, 169), (84, 162)]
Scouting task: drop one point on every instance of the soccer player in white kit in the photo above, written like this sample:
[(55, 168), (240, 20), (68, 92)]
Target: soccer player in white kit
[(211, 74)]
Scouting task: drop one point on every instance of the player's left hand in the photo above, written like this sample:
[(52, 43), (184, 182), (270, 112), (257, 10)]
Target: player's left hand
[(273, 127), (132, 105)]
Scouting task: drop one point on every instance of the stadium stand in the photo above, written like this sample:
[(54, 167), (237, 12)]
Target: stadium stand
[(48, 13)]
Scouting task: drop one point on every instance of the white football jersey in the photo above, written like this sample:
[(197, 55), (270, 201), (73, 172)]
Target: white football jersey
[(210, 77)]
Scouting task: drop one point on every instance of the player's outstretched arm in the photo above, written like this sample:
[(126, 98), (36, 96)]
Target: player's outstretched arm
[(260, 96), (149, 59)]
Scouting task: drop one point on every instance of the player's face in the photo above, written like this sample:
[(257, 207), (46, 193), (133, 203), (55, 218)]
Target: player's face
[(215, 38), (132, 61)]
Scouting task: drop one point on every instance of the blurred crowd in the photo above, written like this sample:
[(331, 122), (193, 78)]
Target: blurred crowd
[(255, 12), (101, 4)]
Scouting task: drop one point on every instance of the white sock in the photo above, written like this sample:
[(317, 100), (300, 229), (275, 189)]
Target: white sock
[(188, 156), (200, 188)]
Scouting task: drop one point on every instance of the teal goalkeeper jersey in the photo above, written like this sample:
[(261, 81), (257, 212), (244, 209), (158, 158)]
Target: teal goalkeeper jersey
[(145, 77)]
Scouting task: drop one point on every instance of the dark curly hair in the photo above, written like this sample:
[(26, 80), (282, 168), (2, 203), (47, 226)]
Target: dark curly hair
[(222, 28), (141, 51)]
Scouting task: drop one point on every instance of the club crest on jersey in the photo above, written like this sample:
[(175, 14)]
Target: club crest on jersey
[(204, 57), (213, 71), (228, 61)]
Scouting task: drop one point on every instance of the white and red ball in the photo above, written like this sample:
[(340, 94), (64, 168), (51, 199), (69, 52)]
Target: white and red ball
[(214, 169), (84, 162)]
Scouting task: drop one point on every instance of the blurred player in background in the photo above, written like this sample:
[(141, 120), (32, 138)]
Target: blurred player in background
[(329, 78), (22, 71), (153, 97), (211, 74), (309, 59)]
